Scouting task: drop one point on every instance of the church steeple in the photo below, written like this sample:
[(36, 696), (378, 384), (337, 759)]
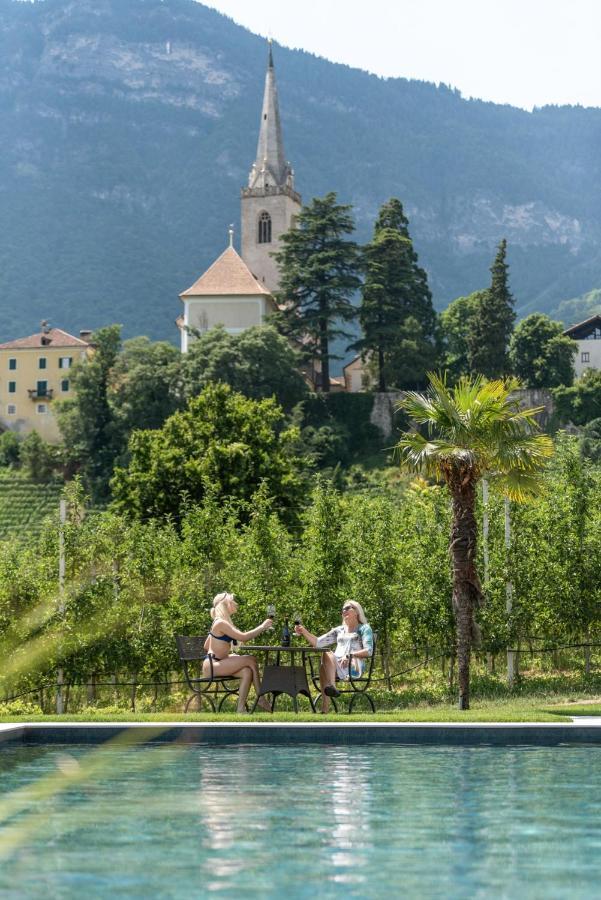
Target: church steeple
[(270, 205), (270, 168)]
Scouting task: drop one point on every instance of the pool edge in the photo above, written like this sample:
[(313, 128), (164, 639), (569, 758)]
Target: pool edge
[(352, 733)]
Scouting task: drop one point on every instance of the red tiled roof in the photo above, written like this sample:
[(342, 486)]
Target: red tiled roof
[(228, 275), (54, 337)]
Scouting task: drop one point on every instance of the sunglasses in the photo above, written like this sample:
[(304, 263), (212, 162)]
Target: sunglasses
[(347, 608)]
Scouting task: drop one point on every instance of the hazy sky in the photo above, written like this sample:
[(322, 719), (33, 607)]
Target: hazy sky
[(523, 52)]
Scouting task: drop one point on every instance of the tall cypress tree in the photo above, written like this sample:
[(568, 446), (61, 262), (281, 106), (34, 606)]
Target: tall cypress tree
[(396, 314), (319, 269), (488, 340)]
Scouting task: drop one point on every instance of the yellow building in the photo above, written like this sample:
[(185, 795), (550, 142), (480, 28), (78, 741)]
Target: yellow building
[(34, 374)]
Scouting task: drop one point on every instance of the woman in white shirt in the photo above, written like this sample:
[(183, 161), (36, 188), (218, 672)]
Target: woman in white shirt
[(354, 644)]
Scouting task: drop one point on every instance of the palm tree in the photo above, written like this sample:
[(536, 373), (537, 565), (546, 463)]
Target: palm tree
[(472, 430)]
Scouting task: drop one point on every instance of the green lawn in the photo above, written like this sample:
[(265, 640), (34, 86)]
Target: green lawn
[(517, 710)]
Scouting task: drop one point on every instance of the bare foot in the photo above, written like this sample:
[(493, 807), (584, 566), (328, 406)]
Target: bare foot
[(264, 704)]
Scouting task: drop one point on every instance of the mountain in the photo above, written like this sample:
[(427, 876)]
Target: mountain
[(577, 309), (127, 128)]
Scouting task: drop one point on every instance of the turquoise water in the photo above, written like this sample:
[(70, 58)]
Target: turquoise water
[(248, 821)]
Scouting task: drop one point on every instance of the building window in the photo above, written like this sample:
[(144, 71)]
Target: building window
[(41, 409), (12, 387), (42, 388), (12, 364), (265, 228), (585, 356), (65, 362), (65, 385), (11, 410), (42, 362)]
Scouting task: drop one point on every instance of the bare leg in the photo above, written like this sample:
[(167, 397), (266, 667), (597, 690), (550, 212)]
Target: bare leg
[(235, 666), (327, 675), (245, 680)]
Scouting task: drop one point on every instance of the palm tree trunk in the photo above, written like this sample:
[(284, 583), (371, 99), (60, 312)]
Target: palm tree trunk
[(466, 585)]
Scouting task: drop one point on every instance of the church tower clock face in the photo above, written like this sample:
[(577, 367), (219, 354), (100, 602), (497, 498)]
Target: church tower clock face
[(269, 203)]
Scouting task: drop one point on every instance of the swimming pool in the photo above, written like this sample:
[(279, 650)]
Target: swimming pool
[(266, 821)]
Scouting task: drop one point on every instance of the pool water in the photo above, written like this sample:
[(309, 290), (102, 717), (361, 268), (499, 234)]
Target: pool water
[(294, 822)]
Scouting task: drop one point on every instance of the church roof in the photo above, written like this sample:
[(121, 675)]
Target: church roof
[(53, 337), (229, 275)]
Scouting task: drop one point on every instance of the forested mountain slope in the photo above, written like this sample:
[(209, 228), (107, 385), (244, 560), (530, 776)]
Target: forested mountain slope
[(127, 128)]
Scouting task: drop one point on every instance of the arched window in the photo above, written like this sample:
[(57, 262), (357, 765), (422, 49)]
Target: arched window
[(265, 228)]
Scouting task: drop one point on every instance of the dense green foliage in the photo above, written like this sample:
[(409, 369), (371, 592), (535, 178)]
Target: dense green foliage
[(130, 586), (319, 268), (460, 435), (86, 420), (540, 354), (490, 333), (457, 323), (222, 444), (258, 363), (24, 505), (580, 403), (397, 318)]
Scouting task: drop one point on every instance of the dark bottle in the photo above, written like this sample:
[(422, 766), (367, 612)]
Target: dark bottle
[(285, 634)]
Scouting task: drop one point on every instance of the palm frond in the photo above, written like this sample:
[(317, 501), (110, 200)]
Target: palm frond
[(476, 424)]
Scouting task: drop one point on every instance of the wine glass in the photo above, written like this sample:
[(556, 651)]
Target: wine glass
[(271, 613)]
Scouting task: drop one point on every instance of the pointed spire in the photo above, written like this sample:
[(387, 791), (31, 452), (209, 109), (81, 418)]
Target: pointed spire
[(270, 168), (230, 232)]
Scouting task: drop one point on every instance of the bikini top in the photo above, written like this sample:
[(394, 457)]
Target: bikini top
[(224, 637)]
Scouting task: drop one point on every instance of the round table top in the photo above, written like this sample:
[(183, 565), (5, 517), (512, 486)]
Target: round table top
[(279, 648)]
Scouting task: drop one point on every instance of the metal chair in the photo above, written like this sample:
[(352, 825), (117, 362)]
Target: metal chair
[(191, 650), (359, 687)]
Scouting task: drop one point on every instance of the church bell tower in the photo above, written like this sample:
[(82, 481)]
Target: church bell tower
[(269, 203)]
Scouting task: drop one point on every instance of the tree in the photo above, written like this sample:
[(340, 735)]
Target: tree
[(457, 322), (396, 314), (38, 458), (222, 441), (581, 402), (87, 421), (488, 340), (475, 429), (10, 449), (318, 277), (144, 384), (258, 363), (541, 355)]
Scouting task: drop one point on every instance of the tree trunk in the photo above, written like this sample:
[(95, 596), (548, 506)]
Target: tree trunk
[(324, 353), (467, 592), (381, 379)]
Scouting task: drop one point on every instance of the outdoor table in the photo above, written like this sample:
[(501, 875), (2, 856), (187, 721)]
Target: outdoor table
[(287, 678)]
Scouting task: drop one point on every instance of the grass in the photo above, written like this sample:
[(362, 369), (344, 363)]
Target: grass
[(516, 710)]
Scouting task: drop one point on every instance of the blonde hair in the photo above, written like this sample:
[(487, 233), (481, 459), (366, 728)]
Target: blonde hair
[(220, 607), (358, 609)]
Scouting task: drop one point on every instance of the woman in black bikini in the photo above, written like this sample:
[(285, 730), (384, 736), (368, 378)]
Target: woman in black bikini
[(222, 635)]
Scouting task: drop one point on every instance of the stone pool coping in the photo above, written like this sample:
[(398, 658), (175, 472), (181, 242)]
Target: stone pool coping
[(582, 730)]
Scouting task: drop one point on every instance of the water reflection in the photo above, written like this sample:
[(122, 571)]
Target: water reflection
[(302, 821)]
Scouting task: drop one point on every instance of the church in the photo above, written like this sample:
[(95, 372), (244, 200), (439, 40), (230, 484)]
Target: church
[(237, 291)]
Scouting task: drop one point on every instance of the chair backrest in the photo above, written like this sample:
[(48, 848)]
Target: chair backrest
[(372, 658), (190, 648)]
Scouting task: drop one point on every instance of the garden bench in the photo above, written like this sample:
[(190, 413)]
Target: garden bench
[(192, 653)]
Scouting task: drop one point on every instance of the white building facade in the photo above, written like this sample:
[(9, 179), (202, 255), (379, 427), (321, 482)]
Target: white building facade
[(587, 335)]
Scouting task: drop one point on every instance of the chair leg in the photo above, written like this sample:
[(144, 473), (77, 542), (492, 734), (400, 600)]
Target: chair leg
[(361, 694), (200, 698)]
